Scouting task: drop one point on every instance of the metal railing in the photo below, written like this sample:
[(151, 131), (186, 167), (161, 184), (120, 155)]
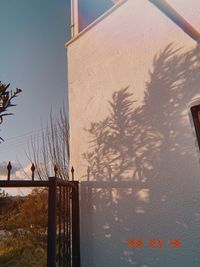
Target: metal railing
[(63, 235)]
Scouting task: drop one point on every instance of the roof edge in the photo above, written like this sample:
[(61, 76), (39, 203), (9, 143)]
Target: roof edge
[(91, 25)]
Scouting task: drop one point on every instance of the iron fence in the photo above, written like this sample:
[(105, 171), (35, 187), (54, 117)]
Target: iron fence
[(63, 234)]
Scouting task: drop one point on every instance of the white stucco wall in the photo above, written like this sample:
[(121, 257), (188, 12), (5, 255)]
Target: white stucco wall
[(139, 48)]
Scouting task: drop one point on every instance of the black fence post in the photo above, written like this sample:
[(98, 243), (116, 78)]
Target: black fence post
[(65, 204), (75, 226), (9, 168), (51, 246)]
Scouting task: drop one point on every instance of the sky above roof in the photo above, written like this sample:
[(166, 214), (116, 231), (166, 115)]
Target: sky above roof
[(33, 57), (89, 10)]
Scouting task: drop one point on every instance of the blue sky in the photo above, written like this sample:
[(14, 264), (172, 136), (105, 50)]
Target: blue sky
[(89, 10), (33, 57)]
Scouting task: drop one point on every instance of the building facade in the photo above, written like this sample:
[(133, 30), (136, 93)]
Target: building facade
[(133, 76)]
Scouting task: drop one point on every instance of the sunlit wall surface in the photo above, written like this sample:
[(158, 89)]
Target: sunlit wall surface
[(132, 78)]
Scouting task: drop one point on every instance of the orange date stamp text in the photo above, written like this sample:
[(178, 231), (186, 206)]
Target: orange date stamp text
[(153, 243)]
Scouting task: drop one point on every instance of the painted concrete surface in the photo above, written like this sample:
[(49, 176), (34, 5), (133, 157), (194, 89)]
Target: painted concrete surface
[(132, 79)]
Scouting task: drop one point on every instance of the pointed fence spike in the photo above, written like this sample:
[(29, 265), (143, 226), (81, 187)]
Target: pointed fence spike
[(72, 171), (55, 170), (9, 168), (32, 171)]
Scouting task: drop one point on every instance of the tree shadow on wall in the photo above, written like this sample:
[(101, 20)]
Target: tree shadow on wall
[(143, 177)]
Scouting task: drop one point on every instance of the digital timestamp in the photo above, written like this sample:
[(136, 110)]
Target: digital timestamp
[(154, 243)]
